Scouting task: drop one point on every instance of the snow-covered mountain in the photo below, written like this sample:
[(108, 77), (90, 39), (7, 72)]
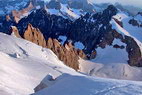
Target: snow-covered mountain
[(72, 9), (22, 71), (105, 31), (72, 42), (9, 5)]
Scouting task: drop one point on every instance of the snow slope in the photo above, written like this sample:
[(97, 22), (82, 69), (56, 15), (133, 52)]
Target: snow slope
[(24, 65), (111, 54), (85, 85), (111, 70)]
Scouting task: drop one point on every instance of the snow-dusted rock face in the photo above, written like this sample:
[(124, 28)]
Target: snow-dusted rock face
[(84, 5), (136, 20), (9, 5)]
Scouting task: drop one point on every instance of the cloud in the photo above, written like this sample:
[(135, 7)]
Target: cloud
[(136, 3)]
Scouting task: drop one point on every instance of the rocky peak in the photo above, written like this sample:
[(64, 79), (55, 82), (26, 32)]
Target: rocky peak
[(67, 53), (109, 12), (15, 31), (135, 23), (18, 14), (88, 29), (140, 13), (81, 4), (54, 4), (34, 35)]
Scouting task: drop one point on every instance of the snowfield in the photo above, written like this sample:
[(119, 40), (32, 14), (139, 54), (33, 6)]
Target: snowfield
[(85, 85), (24, 65), (111, 70), (111, 54)]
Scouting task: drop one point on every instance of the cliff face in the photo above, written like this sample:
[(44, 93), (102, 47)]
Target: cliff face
[(135, 23), (132, 48), (34, 35), (66, 53)]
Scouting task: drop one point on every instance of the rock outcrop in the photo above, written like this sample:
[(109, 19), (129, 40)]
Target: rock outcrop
[(15, 31), (135, 23), (54, 4), (34, 35), (118, 22), (136, 20), (67, 53), (132, 48), (18, 14)]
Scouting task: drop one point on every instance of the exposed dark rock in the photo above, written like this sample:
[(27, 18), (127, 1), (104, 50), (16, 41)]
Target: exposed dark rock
[(53, 4), (40, 87), (134, 22), (118, 22), (6, 23), (132, 48), (80, 4), (134, 52), (50, 25), (140, 13), (47, 81)]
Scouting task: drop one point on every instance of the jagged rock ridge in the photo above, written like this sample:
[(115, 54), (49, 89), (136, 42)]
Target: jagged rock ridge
[(67, 53), (92, 30)]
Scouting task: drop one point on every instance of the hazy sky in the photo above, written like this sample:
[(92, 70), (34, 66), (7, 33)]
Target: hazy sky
[(137, 3)]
